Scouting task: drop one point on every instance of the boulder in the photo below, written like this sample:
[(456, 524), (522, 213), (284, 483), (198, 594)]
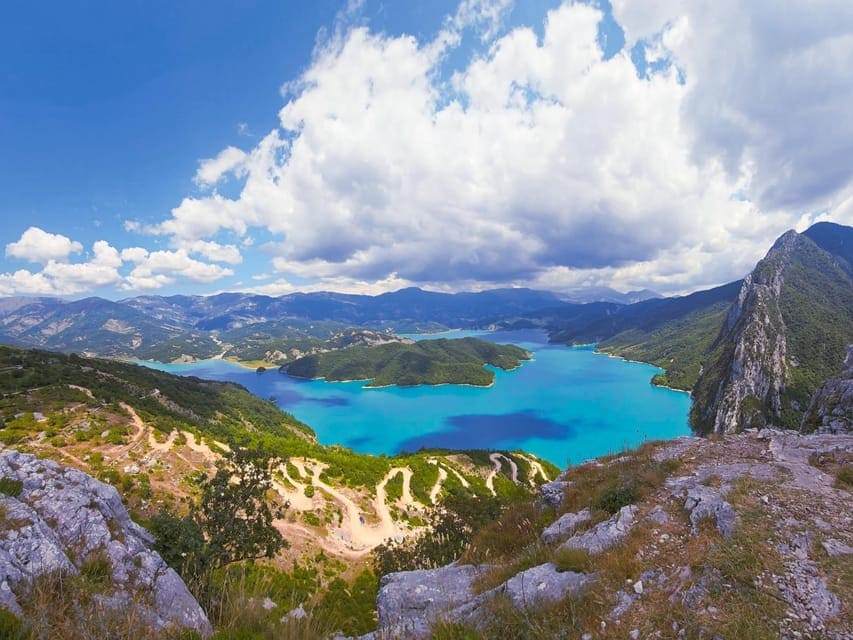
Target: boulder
[(565, 526), (63, 518), (605, 534)]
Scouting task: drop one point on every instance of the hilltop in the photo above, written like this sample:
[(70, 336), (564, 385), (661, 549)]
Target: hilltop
[(431, 362)]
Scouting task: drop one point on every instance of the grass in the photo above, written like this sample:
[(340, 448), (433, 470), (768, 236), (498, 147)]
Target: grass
[(11, 487), (569, 559), (518, 526), (626, 479), (844, 478)]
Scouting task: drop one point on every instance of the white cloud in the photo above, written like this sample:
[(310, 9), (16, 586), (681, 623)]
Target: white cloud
[(212, 170), (769, 89), (37, 245), (215, 252), (66, 278), (537, 162), (155, 269), (546, 160)]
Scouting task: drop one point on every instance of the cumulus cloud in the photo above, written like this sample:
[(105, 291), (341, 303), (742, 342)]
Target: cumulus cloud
[(768, 89), (37, 245), (155, 269), (212, 170), (537, 161), (66, 278)]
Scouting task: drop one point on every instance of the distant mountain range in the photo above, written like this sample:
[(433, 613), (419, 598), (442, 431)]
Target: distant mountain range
[(751, 351)]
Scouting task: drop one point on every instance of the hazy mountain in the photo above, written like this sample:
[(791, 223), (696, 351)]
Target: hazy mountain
[(586, 295)]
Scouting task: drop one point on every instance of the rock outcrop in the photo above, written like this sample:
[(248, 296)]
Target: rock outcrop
[(409, 602), (605, 534), (784, 336), (831, 407), (760, 494), (61, 520), (752, 351)]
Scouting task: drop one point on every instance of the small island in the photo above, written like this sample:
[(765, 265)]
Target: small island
[(431, 362)]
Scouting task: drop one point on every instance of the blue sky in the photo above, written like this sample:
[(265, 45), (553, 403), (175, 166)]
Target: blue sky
[(145, 149)]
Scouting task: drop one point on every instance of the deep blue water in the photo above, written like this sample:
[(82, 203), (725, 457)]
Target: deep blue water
[(568, 404)]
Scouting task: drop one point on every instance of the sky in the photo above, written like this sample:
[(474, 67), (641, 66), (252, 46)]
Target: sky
[(167, 147)]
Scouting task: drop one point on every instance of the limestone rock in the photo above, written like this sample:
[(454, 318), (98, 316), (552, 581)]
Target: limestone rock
[(605, 534), (565, 526), (552, 493), (409, 601), (831, 407), (61, 519)]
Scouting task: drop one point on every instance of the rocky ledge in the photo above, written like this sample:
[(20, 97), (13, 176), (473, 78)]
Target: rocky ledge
[(777, 491), (59, 521)]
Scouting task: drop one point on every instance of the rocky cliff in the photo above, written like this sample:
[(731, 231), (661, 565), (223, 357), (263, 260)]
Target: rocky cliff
[(784, 336), (749, 536), (831, 407), (59, 522)]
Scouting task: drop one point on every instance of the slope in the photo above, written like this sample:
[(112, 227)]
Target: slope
[(784, 337)]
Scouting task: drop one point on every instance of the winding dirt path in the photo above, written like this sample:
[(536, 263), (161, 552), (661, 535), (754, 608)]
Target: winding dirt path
[(436, 488), (536, 469), (496, 460), (296, 497), (162, 447), (200, 447)]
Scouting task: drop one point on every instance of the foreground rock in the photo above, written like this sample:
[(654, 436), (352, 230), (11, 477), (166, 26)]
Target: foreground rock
[(770, 497), (409, 602), (62, 521), (605, 534)]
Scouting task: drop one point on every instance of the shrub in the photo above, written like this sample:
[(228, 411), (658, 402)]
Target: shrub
[(11, 487), (616, 495), (569, 559), (844, 478)]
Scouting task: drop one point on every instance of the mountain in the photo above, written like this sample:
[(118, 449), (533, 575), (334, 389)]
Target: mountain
[(238, 324), (785, 335), (672, 333), (585, 295)]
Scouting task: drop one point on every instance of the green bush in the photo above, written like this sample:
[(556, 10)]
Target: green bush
[(11, 487), (615, 496)]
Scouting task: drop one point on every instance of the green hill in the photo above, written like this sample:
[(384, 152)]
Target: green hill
[(426, 362), (672, 333)]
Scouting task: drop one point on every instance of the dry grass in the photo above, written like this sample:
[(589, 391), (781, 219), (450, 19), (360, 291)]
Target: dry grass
[(519, 526)]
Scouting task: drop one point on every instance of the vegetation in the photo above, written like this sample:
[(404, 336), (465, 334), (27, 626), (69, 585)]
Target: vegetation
[(454, 524), (426, 362), (232, 522), (672, 333)]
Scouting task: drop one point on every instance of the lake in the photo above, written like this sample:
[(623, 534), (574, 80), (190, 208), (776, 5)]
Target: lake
[(568, 404)]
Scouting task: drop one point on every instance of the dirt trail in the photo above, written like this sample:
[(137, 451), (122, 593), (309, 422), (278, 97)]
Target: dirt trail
[(362, 536), (406, 497), (200, 447), (296, 497), (436, 488), (535, 469), (82, 390), (462, 479), (162, 447), (496, 460)]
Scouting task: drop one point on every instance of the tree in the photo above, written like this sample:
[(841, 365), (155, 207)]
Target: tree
[(232, 522), (234, 514)]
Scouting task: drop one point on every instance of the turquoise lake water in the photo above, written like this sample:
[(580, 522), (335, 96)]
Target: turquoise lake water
[(568, 404)]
